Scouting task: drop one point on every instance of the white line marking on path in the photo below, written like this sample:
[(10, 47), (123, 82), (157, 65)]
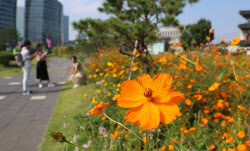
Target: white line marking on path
[(15, 83), (61, 83), (2, 97), (8, 78), (38, 97)]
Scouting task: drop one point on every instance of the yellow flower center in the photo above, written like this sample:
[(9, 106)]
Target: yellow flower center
[(148, 92)]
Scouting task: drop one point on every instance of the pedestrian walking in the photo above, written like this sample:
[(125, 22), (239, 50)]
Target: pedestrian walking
[(27, 65), (78, 75), (41, 68)]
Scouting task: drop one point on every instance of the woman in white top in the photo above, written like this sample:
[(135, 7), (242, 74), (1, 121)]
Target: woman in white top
[(41, 68), (78, 75)]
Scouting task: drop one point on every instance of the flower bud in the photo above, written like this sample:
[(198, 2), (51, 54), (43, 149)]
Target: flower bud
[(57, 136), (177, 53), (240, 60)]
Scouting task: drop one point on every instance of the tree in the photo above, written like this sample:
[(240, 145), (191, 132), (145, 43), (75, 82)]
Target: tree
[(70, 49), (186, 39), (86, 46), (98, 33), (9, 37), (139, 20), (201, 33)]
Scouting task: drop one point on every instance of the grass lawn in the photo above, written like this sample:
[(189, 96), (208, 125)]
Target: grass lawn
[(70, 104), (13, 69)]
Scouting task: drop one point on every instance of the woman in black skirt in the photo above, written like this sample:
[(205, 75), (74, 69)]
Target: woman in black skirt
[(41, 68)]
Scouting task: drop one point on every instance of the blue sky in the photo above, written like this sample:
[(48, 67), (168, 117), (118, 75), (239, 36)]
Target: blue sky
[(224, 14)]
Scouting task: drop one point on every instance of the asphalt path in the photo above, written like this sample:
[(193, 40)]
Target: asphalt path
[(24, 119)]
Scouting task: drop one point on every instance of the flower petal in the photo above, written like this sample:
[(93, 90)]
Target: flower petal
[(177, 97), (151, 116), (160, 82), (133, 115), (131, 94), (170, 96), (161, 86), (163, 97), (123, 102), (168, 111), (145, 81)]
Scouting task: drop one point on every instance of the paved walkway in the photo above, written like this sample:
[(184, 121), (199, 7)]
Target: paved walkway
[(24, 119)]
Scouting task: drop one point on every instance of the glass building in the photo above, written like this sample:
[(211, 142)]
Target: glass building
[(20, 21), (7, 13), (44, 20), (66, 29)]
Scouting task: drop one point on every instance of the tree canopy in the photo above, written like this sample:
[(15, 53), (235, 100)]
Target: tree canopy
[(198, 34), (131, 21), (9, 37)]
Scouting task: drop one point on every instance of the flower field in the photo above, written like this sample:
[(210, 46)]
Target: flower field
[(194, 101)]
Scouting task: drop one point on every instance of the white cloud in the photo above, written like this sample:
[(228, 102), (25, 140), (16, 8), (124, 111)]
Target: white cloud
[(81, 9)]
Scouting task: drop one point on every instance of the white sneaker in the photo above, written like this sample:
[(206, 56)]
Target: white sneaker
[(51, 85), (27, 92), (40, 85), (75, 86)]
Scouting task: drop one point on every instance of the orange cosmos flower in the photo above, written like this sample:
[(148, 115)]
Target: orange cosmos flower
[(115, 134), (241, 134), (208, 38), (170, 147), (214, 86), (188, 102), (163, 147), (226, 135), (241, 107), (180, 44), (97, 110), (104, 118), (212, 147), (211, 31), (242, 147), (150, 101), (247, 143), (145, 139), (220, 103), (204, 120), (235, 41)]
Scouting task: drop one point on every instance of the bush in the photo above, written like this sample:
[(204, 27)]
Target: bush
[(64, 51), (6, 57)]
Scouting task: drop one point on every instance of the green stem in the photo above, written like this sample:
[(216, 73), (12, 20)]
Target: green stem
[(206, 69), (147, 139), (247, 68), (188, 142), (125, 128), (157, 138), (236, 80)]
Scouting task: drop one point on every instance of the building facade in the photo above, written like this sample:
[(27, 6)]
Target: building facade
[(20, 21), (170, 35), (8, 13), (245, 28), (44, 20), (66, 29)]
